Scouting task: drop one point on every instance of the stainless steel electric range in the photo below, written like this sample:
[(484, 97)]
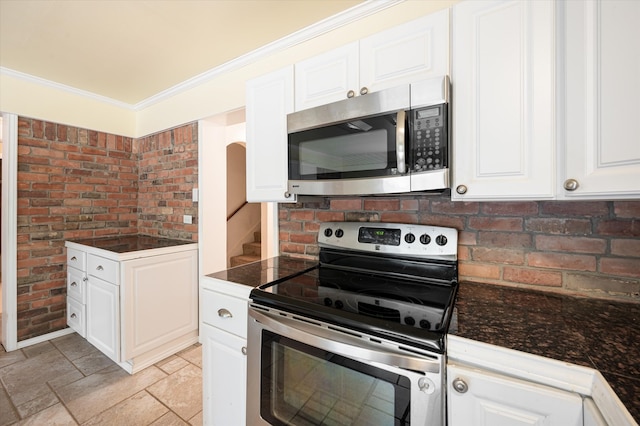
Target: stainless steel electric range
[(361, 337)]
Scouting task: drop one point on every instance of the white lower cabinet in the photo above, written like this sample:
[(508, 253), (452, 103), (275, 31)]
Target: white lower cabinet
[(224, 377), (223, 334), (103, 317), (484, 398)]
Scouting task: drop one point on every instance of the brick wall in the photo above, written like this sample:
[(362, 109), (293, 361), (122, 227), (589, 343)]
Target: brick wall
[(168, 164), (590, 247), (76, 183)]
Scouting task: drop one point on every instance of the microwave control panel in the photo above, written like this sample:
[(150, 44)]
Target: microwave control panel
[(430, 138)]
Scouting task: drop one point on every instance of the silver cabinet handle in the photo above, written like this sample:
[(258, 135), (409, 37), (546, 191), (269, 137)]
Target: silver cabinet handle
[(85, 279), (461, 189), (571, 184), (224, 313), (244, 350), (100, 268), (400, 155), (74, 258), (74, 284), (351, 94), (364, 91), (460, 385), (74, 316)]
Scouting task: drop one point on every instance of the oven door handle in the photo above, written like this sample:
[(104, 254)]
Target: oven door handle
[(342, 343)]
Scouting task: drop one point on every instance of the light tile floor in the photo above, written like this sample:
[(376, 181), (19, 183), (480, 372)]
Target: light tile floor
[(66, 381)]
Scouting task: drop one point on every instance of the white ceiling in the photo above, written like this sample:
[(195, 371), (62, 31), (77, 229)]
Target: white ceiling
[(130, 50)]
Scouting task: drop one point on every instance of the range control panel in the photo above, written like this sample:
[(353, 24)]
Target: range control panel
[(392, 238)]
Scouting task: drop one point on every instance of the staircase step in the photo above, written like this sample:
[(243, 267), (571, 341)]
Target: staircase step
[(257, 236), (252, 249), (242, 259)]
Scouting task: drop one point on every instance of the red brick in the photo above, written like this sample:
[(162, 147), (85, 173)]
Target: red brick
[(381, 204), (523, 208), (477, 270), (575, 208), (562, 261), (532, 276), (619, 228), (399, 217), (495, 223), (303, 238), (328, 216), (504, 239), (570, 244), (627, 209), (409, 204), (346, 204), (457, 222), (559, 226), (621, 267), (302, 215), (493, 255), (451, 207), (625, 247)]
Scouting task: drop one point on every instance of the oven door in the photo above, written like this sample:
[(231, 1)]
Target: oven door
[(303, 372)]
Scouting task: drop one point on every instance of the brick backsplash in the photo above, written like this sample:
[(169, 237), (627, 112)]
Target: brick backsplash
[(76, 183), (590, 248)]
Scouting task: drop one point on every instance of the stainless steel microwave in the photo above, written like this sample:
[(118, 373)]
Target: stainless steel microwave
[(392, 141)]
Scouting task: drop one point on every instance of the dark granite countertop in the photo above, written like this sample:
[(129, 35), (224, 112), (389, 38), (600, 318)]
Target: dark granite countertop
[(265, 271), (130, 243), (595, 333)]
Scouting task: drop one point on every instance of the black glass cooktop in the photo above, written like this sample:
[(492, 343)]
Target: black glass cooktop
[(399, 299)]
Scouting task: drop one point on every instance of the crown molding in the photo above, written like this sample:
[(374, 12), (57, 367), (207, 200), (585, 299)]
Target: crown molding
[(63, 87), (367, 8)]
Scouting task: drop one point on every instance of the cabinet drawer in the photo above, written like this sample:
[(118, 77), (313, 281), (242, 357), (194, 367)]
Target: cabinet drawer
[(76, 316), (76, 259), (225, 312), (105, 269), (76, 283)]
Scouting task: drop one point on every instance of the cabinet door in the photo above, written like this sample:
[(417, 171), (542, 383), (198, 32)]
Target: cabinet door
[(407, 53), (495, 400), (602, 99), (326, 78), (269, 100), (503, 100), (103, 317), (159, 301), (224, 376)]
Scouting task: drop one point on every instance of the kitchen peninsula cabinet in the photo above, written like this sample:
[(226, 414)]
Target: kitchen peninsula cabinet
[(403, 54), (134, 298), (602, 112), (503, 100)]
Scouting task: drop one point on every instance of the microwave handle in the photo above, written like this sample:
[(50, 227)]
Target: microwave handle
[(400, 153)]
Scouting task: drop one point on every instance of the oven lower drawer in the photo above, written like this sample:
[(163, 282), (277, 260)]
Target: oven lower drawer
[(315, 373)]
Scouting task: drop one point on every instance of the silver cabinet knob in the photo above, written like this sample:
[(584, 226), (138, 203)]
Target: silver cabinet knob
[(287, 194), (244, 350), (224, 313), (461, 189), (571, 184), (351, 94), (74, 284), (364, 91), (460, 385), (85, 279), (74, 316), (100, 268), (74, 258)]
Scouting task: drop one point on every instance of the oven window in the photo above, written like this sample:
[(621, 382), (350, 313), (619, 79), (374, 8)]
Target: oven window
[(303, 385)]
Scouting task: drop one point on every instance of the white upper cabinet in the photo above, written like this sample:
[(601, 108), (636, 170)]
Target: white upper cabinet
[(503, 79), (269, 100), (410, 52), (602, 106)]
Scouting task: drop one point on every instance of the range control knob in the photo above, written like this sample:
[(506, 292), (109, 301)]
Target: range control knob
[(339, 304), (327, 301), (409, 238), (441, 240), (425, 324), (328, 232), (339, 233), (425, 239), (409, 321)]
